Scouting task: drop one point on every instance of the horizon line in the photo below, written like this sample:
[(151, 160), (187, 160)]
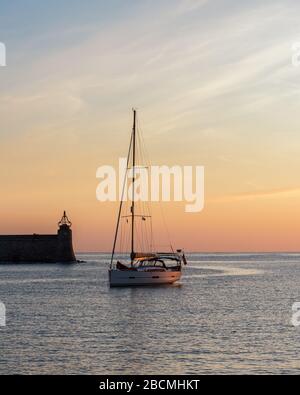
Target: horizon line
[(203, 252)]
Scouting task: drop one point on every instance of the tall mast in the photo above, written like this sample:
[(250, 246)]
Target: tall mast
[(121, 205), (133, 180)]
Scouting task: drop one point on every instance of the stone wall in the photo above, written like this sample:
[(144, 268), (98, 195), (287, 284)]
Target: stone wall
[(38, 248)]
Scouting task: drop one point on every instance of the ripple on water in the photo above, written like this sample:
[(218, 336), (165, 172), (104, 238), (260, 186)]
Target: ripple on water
[(229, 314)]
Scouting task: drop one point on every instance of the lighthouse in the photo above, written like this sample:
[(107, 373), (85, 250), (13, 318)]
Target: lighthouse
[(65, 245)]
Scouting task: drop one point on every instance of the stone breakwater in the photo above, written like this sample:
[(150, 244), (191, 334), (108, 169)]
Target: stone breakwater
[(39, 248)]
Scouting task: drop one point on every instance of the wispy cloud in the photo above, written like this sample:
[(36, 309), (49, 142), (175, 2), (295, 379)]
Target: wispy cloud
[(261, 194), (189, 5), (213, 81)]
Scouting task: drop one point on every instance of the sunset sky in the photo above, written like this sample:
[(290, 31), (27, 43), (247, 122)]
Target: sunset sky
[(214, 85)]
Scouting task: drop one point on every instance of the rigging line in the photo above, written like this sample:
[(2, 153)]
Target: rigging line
[(124, 225), (126, 238), (121, 238), (127, 246), (146, 156), (143, 145), (123, 235), (138, 238), (145, 205), (142, 246), (121, 204), (146, 234), (128, 233), (152, 243), (133, 186), (165, 225), (160, 203), (142, 204), (144, 225)]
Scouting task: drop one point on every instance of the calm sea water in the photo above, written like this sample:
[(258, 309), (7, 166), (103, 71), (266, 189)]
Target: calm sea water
[(231, 313)]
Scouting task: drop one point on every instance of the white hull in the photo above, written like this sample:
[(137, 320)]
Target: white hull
[(122, 278)]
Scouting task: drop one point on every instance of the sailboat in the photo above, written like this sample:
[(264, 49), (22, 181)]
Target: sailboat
[(142, 267)]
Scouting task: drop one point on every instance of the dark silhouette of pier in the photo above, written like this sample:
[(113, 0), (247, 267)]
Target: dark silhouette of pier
[(39, 248)]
